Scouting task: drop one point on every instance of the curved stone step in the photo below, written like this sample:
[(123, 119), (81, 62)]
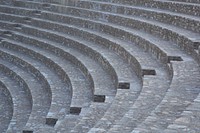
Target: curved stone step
[(6, 107), (22, 99), (59, 106)]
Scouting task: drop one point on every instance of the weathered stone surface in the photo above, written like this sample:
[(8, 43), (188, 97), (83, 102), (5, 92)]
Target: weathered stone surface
[(99, 66)]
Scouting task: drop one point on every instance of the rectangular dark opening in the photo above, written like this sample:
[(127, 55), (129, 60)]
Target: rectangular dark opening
[(36, 12), (7, 33), (196, 45), (99, 98), (27, 131), (174, 58), (27, 19), (124, 85), (148, 72), (17, 26), (75, 110), (51, 121), (46, 5)]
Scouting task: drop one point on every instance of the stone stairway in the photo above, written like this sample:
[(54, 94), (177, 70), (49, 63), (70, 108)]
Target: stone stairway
[(100, 66)]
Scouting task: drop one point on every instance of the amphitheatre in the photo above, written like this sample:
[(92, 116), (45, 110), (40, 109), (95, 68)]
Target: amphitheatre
[(99, 66)]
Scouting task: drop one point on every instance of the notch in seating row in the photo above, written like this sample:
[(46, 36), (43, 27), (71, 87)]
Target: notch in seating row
[(99, 98), (148, 72), (196, 45), (199, 50), (51, 121), (174, 58), (1, 40), (27, 19), (27, 131), (75, 110), (36, 12), (46, 5), (7, 33), (124, 85), (17, 26)]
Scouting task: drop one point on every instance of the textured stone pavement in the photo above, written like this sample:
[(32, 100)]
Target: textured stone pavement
[(99, 66)]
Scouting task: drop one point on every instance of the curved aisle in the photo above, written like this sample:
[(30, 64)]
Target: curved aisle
[(189, 120), (183, 90)]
